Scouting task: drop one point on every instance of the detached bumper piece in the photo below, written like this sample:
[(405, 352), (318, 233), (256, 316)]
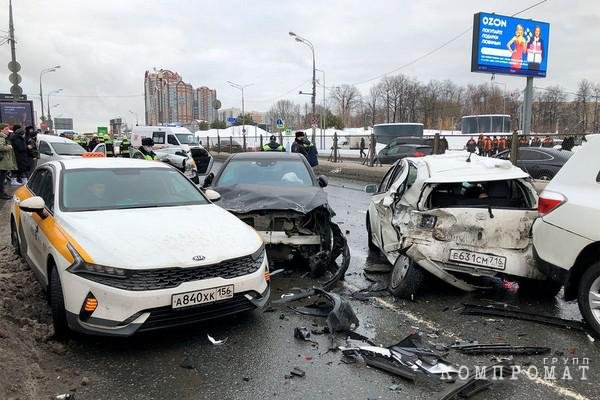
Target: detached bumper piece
[(166, 317), (500, 348)]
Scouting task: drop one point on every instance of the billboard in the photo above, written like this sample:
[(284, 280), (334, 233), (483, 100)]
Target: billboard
[(63, 123), (17, 112), (508, 45)]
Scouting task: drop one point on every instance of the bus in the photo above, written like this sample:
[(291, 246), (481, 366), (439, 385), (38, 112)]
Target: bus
[(487, 124), (385, 133)]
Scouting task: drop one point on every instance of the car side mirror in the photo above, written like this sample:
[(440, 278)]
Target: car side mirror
[(322, 179), (208, 180), (371, 188), (34, 204), (212, 195)]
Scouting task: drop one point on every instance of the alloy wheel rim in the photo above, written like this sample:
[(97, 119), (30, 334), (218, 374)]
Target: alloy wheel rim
[(594, 299)]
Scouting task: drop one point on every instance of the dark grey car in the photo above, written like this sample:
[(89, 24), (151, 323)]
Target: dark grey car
[(539, 162), (390, 154)]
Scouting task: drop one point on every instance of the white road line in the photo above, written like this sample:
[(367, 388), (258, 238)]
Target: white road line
[(432, 326)]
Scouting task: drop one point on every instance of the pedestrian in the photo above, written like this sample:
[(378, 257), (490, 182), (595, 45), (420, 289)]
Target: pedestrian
[(502, 143), (109, 146), (32, 149), (548, 142), (7, 159), (19, 146), (568, 143), (480, 145), (471, 145), (443, 145), (272, 145), (312, 155), (146, 149), (124, 147), (487, 146), (523, 141), (495, 145), (536, 142), (93, 143), (298, 145), (362, 148)]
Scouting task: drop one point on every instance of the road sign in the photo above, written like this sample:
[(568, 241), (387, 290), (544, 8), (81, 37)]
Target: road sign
[(16, 90), (232, 120), (287, 132), (101, 130), (314, 121), (15, 78), (217, 104), (14, 66), (280, 123), (63, 123)]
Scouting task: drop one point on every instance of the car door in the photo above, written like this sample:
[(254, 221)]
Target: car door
[(46, 152), (39, 245), (376, 198)]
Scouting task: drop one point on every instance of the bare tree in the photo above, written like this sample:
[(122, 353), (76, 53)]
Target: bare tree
[(288, 111), (347, 98)]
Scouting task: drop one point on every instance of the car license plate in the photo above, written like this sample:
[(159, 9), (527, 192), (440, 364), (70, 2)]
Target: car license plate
[(479, 259), (201, 296)]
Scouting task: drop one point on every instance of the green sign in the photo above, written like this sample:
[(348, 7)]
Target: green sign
[(287, 132), (102, 130)]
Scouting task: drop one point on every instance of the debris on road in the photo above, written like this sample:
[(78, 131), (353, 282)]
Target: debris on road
[(302, 333), (66, 396), (215, 341), (475, 309), (298, 372), (499, 348), (473, 384)]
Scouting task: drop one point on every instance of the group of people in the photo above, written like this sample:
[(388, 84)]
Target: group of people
[(300, 145), (18, 155), (488, 146)]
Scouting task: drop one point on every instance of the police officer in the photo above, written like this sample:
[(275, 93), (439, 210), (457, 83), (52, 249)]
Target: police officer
[(124, 148), (273, 145), (109, 146), (146, 149), (312, 155)]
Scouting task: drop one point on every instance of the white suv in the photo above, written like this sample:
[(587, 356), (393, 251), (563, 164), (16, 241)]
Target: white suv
[(566, 237)]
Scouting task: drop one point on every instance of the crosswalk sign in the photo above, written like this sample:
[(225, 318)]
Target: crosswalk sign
[(280, 123)]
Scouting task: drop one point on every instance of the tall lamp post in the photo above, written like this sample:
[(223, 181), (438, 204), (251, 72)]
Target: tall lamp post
[(241, 87), (48, 99), (136, 117), (50, 118), (324, 116), (42, 72), (314, 83)]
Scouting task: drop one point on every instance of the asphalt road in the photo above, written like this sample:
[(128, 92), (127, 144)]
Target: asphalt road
[(260, 349)]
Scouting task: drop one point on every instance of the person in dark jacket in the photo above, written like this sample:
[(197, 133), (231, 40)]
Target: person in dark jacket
[(32, 149), (312, 155), (272, 145), (471, 145), (362, 148), (93, 143), (298, 145), (19, 145), (568, 143)]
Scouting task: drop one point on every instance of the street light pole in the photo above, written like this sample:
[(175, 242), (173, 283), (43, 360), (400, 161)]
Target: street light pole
[(324, 112), (241, 87), (136, 117), (314, 81), (42, 72), (48, 100)]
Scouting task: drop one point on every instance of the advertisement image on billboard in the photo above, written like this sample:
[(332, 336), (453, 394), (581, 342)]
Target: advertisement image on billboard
[(508, 45), (17, 112)]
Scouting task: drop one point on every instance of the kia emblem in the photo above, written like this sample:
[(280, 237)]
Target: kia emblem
[(198, 258)]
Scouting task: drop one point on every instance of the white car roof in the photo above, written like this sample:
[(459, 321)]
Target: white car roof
[(581, 169), (453, 167), (53, 139), (104, 162)]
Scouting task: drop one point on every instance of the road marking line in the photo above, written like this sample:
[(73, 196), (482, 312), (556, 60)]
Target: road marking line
[(432, 326)]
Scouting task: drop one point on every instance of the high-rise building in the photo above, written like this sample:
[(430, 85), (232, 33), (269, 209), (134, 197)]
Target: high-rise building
[(169, 99)]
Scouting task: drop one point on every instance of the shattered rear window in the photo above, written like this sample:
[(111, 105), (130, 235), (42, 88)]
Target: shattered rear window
[(499, 194), (265, 172)]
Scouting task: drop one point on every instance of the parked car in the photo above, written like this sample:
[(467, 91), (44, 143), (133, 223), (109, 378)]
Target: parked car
[(53, 147), (566, 238), (540, 162), (279, 196), (390, 154), (226, 145), (125, 246), (454, 215)]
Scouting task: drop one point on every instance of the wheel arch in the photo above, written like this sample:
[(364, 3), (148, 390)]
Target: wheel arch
[(588, 256)]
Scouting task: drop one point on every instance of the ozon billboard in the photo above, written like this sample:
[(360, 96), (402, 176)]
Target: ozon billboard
[(508, 45)]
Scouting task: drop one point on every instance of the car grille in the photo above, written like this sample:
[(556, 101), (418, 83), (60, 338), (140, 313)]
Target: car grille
[(165, 317), (154, 279)]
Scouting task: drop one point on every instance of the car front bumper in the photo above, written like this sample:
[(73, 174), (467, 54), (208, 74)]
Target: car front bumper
[(124, 312)]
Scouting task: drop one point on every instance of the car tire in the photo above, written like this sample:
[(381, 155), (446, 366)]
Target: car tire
[(544, 175), (407, 278), (57, 306), (543, 288), (14, 238), (370, 242), (590, 282)]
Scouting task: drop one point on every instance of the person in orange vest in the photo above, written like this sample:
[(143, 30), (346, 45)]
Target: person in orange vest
[(487, 146), (548, 142), (502, 143), (495, 145), (480, 145), (536, 142), (523, 141)]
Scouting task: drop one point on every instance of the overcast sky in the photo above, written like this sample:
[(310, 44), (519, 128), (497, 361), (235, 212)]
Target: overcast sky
[(105, 46)]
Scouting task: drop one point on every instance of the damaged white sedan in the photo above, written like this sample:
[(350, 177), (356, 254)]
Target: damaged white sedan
[(457, 217)]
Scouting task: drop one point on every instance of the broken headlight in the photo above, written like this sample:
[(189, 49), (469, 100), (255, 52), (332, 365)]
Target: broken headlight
[(427, 221), (81, 267)]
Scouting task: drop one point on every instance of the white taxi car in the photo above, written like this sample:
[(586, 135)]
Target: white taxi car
[(455, 216), (126, 246)]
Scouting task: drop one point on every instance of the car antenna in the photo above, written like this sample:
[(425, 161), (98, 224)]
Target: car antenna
[(469, 159)]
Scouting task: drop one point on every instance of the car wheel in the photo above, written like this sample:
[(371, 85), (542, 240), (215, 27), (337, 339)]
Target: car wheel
[(543, 288), (407, 278), (57, 306), (544, 176), (14, 238), (589, 297), (372, 246)]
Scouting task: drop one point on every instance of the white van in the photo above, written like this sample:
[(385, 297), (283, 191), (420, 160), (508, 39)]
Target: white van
[(53, 147), (174, 136)]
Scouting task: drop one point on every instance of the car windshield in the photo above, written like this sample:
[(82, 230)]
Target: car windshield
[(68, 149), (97, 189), (265, 172), (186, 139)]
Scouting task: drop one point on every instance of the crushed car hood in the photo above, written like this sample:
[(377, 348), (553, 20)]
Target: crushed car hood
[(241, 199), (161, 237)]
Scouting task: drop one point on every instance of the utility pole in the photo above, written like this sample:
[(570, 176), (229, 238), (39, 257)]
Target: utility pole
[(13, 66), (527, 105), (307, 42), (241, 88)]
